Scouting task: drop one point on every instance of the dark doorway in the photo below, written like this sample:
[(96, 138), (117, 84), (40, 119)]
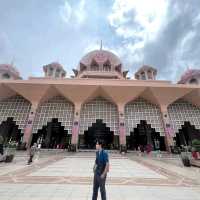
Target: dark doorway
[(143, 135), (186, 134), (10, 131), (52, 135), (99, 131)]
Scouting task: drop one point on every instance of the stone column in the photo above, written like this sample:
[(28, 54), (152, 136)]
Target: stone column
[(153, 78), (169, 132), (146, 75), (75, 127), (29, 126), (122, 128)]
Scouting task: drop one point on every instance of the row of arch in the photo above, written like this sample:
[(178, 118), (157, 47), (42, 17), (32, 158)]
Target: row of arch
[(59, 108), (94, 66)]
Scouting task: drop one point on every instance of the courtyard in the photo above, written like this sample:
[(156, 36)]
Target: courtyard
[(68, 176)]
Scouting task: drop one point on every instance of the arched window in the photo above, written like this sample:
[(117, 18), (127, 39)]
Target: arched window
[(57, 73), (94, 66), (149, 72), (193, 81), (143, 77), (6, 76), (137, 77), (50, 71), (118, 68), (82, 67), (107, 66)]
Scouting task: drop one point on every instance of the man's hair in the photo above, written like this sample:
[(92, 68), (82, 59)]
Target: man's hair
[(100, 142)]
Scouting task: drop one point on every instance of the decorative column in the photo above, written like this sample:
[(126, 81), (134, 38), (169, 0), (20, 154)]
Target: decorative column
[(75, 127), (169, 132), (29, 126), (146, 76), (122, 128)]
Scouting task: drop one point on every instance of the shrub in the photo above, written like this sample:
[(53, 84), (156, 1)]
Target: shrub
[(196, 145)]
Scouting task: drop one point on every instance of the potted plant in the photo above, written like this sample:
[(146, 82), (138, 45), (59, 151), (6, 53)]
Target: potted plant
[(185, 157), (196, 149), (10, 151)]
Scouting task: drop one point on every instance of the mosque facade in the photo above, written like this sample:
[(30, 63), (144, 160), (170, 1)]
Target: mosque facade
[(99, 102)]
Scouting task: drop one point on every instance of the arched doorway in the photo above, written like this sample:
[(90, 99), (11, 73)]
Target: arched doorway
[(144, 134), (10, 131), (143, 116), (98, 131), (99, 113), (52, 135), (186, 134), (57, 107)]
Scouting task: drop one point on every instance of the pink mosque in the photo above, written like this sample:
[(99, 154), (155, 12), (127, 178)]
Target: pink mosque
[(99, 102)]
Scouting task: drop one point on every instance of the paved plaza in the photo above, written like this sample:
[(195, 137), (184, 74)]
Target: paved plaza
[(68, 176)]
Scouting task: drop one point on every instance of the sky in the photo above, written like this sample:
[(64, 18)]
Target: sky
[(162, 33)]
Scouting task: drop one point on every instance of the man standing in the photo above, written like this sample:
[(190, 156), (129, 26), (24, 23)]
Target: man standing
[(1, 144), (101, 167), (32, 151)]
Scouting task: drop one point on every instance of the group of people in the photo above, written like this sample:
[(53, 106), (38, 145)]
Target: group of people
[(142, 149), (147, 149)]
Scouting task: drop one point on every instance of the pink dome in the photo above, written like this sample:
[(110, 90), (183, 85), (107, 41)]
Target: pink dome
[(8, 68), (189, 74), (100, 57)]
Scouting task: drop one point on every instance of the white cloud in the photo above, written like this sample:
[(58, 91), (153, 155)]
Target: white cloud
[(73, 14), (137, 22), (65, 12), (138, 18), (80, 12)]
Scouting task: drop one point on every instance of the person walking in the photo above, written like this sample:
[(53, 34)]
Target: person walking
[(32, 151), (1, 145), (101, 168)]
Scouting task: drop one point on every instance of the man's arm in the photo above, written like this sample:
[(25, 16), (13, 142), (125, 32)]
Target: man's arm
[(95, 164), (106, 170)]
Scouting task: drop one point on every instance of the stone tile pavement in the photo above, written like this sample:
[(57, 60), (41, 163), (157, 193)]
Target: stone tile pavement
[(68, 176)]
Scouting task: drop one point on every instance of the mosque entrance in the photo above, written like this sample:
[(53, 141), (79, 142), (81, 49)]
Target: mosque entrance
[(186, 134), (52, 136), (143, 135), (98, 131), (10, 131)]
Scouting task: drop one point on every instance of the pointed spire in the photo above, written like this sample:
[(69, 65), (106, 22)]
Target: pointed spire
[(101, 45)]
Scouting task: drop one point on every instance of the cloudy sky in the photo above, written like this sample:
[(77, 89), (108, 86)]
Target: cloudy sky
[(161, 33)]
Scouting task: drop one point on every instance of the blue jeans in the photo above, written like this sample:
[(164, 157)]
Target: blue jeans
[(99, 182)]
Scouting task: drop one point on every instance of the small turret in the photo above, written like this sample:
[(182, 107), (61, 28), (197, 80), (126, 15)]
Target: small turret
[(146, 73), (54, 70), (191, 76), (7, 71)]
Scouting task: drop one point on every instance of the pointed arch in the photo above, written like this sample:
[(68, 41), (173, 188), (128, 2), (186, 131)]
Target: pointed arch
[(55, 107), (16, 107), (99, 108), (107, 66), (181, 111), (94, 66), (141, 109)]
